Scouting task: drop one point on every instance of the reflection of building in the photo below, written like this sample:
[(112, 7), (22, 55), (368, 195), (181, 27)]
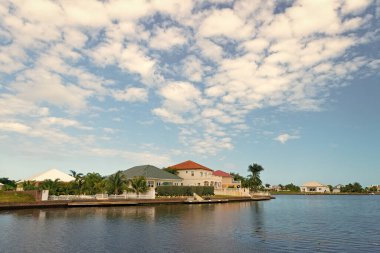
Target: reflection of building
[(153, 175), (315, 187), (227, 180), (195, 174)]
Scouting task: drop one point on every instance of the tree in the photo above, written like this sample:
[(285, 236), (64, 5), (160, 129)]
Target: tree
[(291, 187), (90, 182), (138, 185), (52, 186), (267, 185), (29, 185), (330, 187), (78, 185), (8, 183), (255, 181), (170, 170), (116, 183), (243, 180)]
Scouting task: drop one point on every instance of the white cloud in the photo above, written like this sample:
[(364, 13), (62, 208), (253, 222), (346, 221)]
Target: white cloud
[(224, 23), (131, 94), (14, 127), (283, 138), (60, 58), (193, 68), (165, 39)]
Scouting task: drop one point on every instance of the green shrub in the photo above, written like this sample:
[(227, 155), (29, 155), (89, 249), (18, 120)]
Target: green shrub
[(184, 190)]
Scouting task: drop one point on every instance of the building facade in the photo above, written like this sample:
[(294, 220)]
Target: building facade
[(315, 187), (227, 180), (154, 176), (194, 174)]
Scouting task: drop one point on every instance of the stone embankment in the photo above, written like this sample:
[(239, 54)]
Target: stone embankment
[(128, 202)]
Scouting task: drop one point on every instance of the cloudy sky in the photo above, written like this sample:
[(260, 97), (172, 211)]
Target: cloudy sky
[(106, 85)]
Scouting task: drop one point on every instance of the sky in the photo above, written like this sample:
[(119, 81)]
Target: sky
[(101, 86)]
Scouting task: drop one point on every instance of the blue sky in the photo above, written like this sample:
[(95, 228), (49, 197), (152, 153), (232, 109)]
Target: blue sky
[(102, 86)]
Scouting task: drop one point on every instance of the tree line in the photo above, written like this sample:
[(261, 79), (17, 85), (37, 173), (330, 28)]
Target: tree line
[(89, 184)]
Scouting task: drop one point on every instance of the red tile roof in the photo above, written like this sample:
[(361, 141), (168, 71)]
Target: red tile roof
[(221, 173), (189, 165)]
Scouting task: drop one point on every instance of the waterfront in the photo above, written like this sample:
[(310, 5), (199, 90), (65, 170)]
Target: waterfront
[(287, 224)]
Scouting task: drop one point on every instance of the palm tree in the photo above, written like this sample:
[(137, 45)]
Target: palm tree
[(255, 181), (52, 186), (117, 182), (78, 180), (139, 185)]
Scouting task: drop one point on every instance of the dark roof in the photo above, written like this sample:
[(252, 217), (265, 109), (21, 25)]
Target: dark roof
[(149, 171), (189, 165)]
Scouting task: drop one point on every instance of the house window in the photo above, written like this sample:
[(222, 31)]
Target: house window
[(186, 172), (181, 184), (201, 174), (158, 183), (199, 184), (192, 173), (150, 183)]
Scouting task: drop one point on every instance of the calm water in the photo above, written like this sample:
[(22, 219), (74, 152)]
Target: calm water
[(287, 224)]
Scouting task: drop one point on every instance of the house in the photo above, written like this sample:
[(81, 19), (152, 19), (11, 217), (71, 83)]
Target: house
[(275, 188), (195, 174), (227, 180), (336, 188), (153, 175), (315, 187), (52, 174)]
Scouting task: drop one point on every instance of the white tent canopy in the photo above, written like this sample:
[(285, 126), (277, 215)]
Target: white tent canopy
[(52, 174)]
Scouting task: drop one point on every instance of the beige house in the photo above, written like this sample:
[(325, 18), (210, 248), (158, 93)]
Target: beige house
[(227, 180), (194, 174), (315, 187)]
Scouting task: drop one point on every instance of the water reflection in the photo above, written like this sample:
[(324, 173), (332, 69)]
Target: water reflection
[(288, 224)]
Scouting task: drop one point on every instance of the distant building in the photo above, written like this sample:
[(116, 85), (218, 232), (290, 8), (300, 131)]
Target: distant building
[(337, 188), (195, 174), (52, 174), (315, 187), (1, 186), (275, 188), (153, 175), (227, 180)]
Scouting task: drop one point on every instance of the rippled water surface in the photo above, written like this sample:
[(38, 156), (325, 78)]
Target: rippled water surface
[(286, 224)]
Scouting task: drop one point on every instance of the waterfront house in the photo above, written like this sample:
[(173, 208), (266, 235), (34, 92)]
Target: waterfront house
[(315, 187), (227, 180), (52, 174), (153, 175), (336, 188), (195, 174)]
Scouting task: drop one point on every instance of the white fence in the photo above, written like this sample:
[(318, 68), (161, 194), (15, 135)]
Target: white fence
[(238, 192), (150, 194)]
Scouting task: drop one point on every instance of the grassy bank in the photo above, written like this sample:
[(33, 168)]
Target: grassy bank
[(6, 197)]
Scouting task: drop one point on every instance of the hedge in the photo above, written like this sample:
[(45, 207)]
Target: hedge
[(184, 190)]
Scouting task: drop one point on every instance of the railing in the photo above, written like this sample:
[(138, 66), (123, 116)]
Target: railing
[(151, 194)]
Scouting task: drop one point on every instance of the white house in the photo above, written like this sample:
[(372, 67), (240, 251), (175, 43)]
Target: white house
[(337, 188), (195, 174), (315, 187)]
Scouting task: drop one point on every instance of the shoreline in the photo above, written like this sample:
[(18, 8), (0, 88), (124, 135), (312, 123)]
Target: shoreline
[(321, 194), (129, 202)]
